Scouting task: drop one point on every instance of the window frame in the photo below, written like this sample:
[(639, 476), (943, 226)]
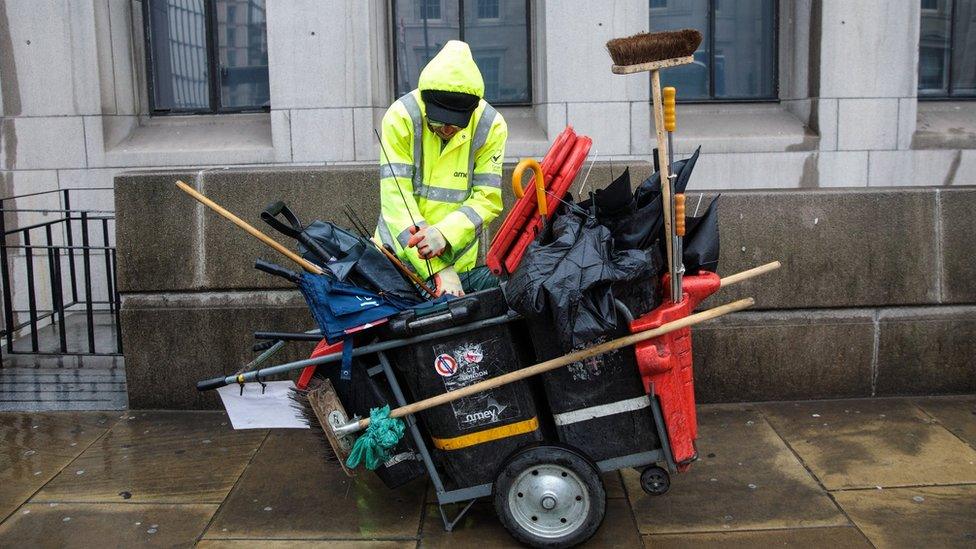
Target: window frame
[(528, 41), (946, 96), (774, 98), (213, 68)]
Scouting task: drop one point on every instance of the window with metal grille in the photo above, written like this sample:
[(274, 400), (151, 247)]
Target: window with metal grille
[(496, 30), (737, 59), (206, 56), (947, 50)]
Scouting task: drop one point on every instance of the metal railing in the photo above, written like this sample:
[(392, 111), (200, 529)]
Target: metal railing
[(69, 268)]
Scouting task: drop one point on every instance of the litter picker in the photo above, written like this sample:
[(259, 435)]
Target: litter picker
[(653, 52), (403, 197)]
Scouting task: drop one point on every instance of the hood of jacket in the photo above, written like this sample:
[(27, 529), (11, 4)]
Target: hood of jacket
[(453, 69)]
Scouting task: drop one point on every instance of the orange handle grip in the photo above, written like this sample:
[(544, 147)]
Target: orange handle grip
[(670, 120), (679, 214), (540, 184)]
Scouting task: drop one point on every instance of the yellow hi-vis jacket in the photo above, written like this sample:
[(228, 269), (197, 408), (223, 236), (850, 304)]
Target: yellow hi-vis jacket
[(457, 187)]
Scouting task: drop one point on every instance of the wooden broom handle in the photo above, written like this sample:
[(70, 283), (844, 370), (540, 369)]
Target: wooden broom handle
[(745, 275), (307, 265), (663, 168), (564, 360)]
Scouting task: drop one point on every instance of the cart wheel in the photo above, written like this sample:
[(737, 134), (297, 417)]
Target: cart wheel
[(655, 481), (550, 496)]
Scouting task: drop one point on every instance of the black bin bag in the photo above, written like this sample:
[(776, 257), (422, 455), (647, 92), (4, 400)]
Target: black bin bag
[(567, 276)]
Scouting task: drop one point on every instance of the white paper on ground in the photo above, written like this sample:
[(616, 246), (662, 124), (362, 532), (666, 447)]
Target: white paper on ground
[(271, 410)]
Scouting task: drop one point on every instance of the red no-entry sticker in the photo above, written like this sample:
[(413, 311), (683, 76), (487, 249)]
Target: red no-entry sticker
[(446, 365)]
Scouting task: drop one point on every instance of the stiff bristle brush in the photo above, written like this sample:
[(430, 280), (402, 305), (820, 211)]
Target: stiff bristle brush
[(651, 47)]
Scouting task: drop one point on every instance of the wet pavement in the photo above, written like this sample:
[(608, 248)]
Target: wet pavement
[(847, 473)]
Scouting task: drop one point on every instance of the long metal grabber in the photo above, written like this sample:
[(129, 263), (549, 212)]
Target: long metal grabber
[(264, 373), (559, 362)]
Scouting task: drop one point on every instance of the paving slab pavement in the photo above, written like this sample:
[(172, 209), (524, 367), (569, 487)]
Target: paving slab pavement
[(86, 525), (957, 414), (931, 516), (291, 491), (36, 446), (795, 538), (746, 479), (159, 457), (869, 443), (770, 474)]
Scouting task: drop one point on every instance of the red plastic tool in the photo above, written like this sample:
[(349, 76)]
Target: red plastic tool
[(322, 349), (559, 167), (665, 364)]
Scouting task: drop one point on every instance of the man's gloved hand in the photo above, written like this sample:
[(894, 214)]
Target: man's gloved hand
[(448, 282), (428, 240)]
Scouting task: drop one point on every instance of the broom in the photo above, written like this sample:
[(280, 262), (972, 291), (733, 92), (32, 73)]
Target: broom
[(652, 52)]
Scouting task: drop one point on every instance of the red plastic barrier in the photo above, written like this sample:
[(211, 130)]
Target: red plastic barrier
[(665, 364), (557, 188), (522, 223)]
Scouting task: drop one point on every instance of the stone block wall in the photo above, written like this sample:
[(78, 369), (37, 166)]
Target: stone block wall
[(876, 295)]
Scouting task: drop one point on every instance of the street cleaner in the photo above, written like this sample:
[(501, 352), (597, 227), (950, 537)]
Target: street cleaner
[(442, 147)]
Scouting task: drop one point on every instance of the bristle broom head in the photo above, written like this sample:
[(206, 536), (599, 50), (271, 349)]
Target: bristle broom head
[(299, 398), (653, 46)]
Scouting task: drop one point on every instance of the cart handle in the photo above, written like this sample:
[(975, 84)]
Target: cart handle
[(540, 183)]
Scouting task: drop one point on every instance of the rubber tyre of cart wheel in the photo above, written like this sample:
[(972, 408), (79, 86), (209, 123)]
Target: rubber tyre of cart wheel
[(550, 496), (655, 481)]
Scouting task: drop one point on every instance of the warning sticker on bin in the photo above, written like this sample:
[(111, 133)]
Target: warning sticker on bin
[(445, 365), (473, 362)]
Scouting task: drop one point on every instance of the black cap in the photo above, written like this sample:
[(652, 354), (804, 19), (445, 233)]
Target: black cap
[(454, 108)]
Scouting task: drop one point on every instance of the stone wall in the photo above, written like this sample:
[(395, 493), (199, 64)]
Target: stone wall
[(876, 295)]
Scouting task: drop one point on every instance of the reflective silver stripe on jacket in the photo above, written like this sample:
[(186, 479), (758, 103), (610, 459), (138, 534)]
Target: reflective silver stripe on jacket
[(593, 412), (441, 194), (480, 137), (472, 216), (396, 169), (487, 180), (413, 109)]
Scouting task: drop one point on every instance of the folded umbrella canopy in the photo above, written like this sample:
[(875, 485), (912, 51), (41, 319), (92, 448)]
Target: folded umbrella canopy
[(349, 257), (340, 308), (636, 220)]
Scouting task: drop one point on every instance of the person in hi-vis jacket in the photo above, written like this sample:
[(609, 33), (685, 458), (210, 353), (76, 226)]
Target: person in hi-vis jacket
[(446, 145)]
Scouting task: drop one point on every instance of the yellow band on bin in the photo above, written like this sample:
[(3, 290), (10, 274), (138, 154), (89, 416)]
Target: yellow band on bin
[(487, 435)]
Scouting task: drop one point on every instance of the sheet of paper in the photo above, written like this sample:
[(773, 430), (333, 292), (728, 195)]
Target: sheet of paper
[(271, 410)]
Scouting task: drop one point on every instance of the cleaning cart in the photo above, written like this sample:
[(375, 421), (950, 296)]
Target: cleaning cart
[(482, 418), (536, 445)]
